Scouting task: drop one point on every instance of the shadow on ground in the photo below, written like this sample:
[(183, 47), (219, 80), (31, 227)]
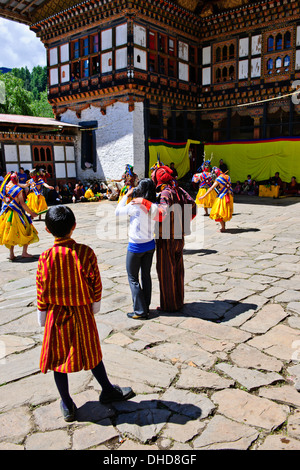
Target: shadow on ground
[(143, 413), (214, 311)]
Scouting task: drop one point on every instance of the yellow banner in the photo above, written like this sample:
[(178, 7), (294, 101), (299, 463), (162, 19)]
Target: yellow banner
[(177, 152), (260, 159)]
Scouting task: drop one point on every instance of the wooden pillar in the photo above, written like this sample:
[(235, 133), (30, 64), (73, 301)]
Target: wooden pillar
[(257, 131)]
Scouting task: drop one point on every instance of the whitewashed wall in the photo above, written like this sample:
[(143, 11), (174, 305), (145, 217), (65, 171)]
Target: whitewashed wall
[(120, 140)]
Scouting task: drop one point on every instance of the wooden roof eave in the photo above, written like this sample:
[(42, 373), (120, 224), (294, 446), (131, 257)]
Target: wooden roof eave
[(9, 14)]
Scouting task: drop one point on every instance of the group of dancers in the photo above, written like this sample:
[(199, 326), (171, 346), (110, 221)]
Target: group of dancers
[(19, 207), (20, 204), (215, 193)]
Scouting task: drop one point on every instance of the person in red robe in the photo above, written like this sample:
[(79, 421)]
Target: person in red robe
[(69, 291)]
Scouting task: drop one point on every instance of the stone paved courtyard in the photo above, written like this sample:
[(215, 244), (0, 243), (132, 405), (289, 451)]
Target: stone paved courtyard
[(221, 374)]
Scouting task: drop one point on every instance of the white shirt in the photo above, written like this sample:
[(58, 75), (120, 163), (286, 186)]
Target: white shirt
[(142, 224)]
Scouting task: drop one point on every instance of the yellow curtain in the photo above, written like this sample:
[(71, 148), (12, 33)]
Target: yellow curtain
[(177, 152), (260, 159)]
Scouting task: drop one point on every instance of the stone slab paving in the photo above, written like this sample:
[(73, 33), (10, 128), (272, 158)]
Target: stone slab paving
[(223, 373)]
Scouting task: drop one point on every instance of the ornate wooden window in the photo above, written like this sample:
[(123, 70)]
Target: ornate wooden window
[(278, 64), (171, 47), (85, 47), (270, 43), (85, 68), (270, 66), (286, 62), (43, 157), (75, 50), (278, 42), (94, 43), (287, 40)]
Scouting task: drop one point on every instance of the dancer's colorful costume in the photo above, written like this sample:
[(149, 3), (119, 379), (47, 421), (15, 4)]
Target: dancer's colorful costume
[(15, 225), (223, 205), (205, 181), (130, 181), (35, 199)]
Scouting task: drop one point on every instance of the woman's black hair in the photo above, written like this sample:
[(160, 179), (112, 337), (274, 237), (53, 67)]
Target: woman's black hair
[(146, 189), (60, 220)]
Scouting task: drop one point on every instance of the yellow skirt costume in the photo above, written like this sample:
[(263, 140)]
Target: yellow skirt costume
[(36, 203), (13, 232), (208, 201), (221, 209)]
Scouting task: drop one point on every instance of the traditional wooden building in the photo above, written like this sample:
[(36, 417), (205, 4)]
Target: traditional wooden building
[(128, 71), (31, 142)]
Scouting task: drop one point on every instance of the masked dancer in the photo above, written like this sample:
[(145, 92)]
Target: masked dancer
[(222, 209), (205, 180), (15, 225), (36, 200)]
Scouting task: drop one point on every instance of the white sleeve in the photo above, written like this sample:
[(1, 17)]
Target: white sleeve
[(42, 317), (122, 208), (153, 210), (96, 307)]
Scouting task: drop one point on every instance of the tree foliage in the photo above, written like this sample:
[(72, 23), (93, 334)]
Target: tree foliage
[(25, 92)]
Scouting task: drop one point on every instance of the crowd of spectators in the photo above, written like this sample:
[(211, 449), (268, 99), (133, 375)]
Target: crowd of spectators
[(251, 187), (79, 192), (66, 193)]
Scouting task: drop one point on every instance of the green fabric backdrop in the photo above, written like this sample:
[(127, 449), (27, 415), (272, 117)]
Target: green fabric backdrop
[(260, 159), (177, 152)]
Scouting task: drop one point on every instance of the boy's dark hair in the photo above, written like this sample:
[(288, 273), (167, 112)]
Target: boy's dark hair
[(146, 189), (60, 220)]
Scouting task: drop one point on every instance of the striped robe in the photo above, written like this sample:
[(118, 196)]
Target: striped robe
[(177, 209), (68, 283)]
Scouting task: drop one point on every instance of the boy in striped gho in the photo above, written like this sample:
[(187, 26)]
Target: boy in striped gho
[(69, 291)]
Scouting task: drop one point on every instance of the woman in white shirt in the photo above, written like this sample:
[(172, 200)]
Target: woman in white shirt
[(141, 245)]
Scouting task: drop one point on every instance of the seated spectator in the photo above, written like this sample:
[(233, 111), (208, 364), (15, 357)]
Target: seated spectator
[(113, 192), (254, 189), (71, 188), (90, 195), (22, 176), (96, 188), (292, 187), (54, 196), (103, 190), (66, 196), (245, 187), (78, 192), (276, 180), (238, 188)]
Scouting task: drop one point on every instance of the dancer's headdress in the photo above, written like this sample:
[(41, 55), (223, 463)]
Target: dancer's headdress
[(216, 171), (163, 175), (157, 165), (129, 169)]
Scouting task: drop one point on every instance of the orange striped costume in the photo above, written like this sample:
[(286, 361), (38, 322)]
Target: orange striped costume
[(68, 283)]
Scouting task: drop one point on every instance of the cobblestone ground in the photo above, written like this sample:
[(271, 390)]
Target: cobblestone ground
[(221, 374)]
